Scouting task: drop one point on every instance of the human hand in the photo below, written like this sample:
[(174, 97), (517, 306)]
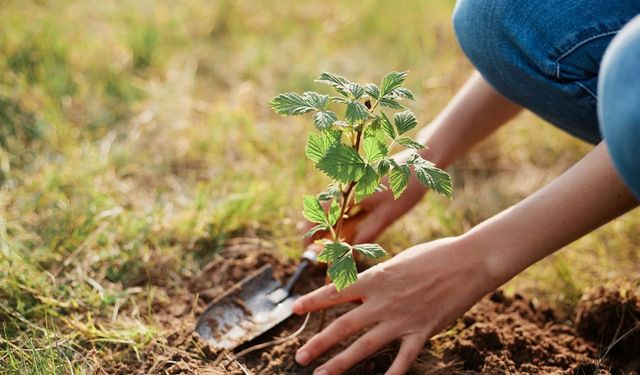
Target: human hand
[(410, 298)]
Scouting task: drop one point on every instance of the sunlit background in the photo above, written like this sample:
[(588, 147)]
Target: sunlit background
[(136, 140)]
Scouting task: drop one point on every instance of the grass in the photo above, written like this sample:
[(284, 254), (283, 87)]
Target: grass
[(119, 122)]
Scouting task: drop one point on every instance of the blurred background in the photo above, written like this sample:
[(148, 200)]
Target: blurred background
[(136, 140)]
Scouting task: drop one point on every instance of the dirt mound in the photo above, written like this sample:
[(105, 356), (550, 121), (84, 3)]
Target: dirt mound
[(513, 335), (610, 316), (499, 335)]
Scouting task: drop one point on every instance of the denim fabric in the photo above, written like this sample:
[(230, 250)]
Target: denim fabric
[(544, 54), (619, 104)]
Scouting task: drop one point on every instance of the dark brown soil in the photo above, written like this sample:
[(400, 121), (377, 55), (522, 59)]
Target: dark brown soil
[(500, 335)]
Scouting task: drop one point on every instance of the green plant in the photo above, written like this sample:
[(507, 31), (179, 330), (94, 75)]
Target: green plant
[(354, 153)]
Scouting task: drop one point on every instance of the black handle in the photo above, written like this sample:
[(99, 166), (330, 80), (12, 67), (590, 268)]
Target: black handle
[(304, 264)]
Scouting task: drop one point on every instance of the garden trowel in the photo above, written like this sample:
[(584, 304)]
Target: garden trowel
[(250, 308)]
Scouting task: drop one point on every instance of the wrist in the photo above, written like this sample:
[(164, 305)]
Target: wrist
[(490, 264)]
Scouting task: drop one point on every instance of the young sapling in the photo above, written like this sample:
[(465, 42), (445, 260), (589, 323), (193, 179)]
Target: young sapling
[(354, 152)]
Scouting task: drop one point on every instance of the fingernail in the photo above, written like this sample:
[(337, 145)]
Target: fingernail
[(302, 357), (321, 372)]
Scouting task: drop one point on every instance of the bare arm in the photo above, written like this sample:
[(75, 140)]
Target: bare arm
[(423, 289), (585, 197)]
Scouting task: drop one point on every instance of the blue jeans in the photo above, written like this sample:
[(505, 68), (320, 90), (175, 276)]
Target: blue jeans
[(547, 55)]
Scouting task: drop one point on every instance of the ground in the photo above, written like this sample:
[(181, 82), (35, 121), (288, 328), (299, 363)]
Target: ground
[(138, 155)]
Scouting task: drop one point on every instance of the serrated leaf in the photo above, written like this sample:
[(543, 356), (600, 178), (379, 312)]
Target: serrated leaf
[(390, 103), (313, 210), (404, 121), (355, 89), (383, 167), (391, 82), (398, 179), (342, 163), (370, 250), (317, 101), (343, 272), (402, 93), (356, 112), (387, 126), (374, 150), (367, 184), (431, 176), (334, 213), (332, 252), (334, 80), (410, 143), (323, 120), (314, 230), (319, 143), (372, 90), (291, 104)]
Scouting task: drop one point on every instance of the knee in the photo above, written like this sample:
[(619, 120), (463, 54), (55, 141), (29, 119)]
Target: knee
[(618, 108), (619, 85)]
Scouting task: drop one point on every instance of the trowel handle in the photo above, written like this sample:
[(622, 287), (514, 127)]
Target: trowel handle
[(308, 258)]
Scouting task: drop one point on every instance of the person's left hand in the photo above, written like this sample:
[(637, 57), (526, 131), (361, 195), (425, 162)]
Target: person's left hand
[(410, 297)]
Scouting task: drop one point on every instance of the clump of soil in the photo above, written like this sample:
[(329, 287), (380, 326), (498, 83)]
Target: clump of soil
[(499, 335), (610, 316)]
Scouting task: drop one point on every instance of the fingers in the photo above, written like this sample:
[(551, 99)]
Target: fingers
[(409, 350), (362, 348), (327, 296), (341, 329)]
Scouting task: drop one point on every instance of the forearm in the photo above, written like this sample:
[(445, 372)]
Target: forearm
[(585, 197), (473, 113)]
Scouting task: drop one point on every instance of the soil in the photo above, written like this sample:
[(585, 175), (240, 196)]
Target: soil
[(500, 335)]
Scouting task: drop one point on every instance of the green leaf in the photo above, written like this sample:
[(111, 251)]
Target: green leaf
[(356, 112), (334, 213), (339, 83), (314, 230), (333, 251), (372, 90), (391, 82), (343, 272), (370, 250), (398, 179), (342, 163), (410, 143), (291, 104), (404, 121), (383, 167), (332, 193), (374, 150), (355, 89), (317, 101), (402, 93), (324, 119), (313, 210), (390, 103), (367, 184), (431, 176), (319, 143), (387, 127)]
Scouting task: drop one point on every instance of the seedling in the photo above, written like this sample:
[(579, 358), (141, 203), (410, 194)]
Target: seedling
[(354, 153)]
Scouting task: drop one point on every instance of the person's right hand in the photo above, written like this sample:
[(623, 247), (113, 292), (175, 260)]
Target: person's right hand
[(377, 212)]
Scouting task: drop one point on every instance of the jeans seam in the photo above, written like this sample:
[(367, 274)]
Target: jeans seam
[(585, 88), (578, 45)]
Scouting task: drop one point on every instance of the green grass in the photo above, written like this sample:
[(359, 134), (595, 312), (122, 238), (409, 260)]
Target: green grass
[(120, 123)]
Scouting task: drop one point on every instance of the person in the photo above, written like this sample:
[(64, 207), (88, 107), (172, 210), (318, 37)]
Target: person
[(549, 57)]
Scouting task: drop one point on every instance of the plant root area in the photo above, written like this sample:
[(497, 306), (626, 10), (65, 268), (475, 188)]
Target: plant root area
[(500, 335)]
